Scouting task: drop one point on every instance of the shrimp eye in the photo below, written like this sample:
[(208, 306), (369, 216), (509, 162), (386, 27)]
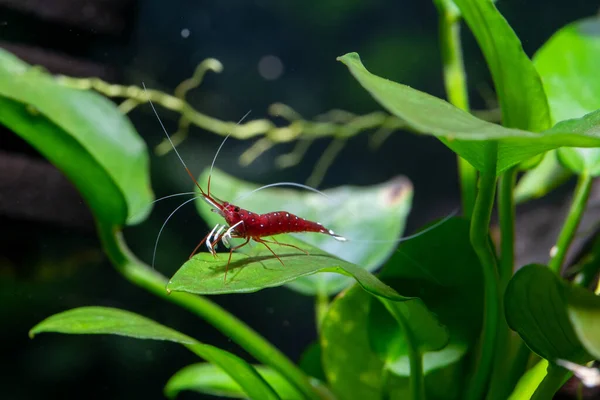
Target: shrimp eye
[(237, 209)]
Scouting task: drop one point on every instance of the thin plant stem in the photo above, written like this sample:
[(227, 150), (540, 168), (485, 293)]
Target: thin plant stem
[(554, 380), (479, 235), (507, 216), (149, 279), (582, 193), (321, 307), (415, 358), (456, 89)]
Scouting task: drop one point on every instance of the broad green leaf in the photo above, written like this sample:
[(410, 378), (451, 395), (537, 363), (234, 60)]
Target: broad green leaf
[(353, 370), (258, 269), (530, 381), (387, 326), (451, 287), (584, 313), (83, 134), (104, 320), (542, 179), (208, 379), (376, 213), (568, 64), (518, 85), (536, 308), (467, 135)]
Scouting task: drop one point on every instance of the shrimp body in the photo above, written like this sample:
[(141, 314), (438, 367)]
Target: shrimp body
[(249, 224)]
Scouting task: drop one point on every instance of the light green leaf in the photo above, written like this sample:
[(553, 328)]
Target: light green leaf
[(568, 64), (208, 379), (542, 179), (375, 213), (84, 135), (259, 269), (584, 313), (518, 85), (466, 134), (104, 320)]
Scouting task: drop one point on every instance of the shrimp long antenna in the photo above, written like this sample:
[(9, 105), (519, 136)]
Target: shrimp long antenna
[(174, 195), (405, 238), (165, 224), (219, 150), (170, 141), (294, 184)]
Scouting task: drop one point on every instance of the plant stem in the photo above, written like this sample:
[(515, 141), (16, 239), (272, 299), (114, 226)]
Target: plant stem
[(143, 276), (554, 380), (506, 215), (415, 358), (456, 90), (582, 192), (479, 235)]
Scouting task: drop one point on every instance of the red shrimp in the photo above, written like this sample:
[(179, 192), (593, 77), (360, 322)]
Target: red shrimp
[(244, 224)]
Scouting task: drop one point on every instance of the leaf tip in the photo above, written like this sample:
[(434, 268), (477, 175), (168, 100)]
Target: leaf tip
[(349, 58)]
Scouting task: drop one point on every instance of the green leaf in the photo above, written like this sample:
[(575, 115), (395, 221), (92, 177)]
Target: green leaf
[(542, 179), (353, 369), (467, 135), (584, 314), (376, 213), (103, 320), (518, 85), (536, 308), (568, 64), (208, 379), (259, 269), (451, 287), (84, 135), (388, 339)]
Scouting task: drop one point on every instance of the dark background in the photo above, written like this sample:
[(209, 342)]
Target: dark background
[(50, 260)]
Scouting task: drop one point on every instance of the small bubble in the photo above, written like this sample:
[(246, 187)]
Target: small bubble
[(185, 33), (270, 67)]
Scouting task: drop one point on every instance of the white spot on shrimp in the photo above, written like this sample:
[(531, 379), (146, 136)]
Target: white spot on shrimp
[(331, 232), (253, 219), (287, 215), (262, 226), (276, 214), (296, 217), (318, 223)]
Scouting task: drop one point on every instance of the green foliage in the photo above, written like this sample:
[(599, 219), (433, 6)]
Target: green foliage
[(102, 320), (435, 322), (259, 269), (84, 135), (206, 378)]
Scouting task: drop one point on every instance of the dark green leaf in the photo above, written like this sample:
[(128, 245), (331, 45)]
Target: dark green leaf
[(375, 213), (310, 361), (450, 286), (388, 340), (353, 370), (536, 308), (584, 313), (518, 85), (259, 269), (83, 134), (466, 134), (208, 379), (103, 320)]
